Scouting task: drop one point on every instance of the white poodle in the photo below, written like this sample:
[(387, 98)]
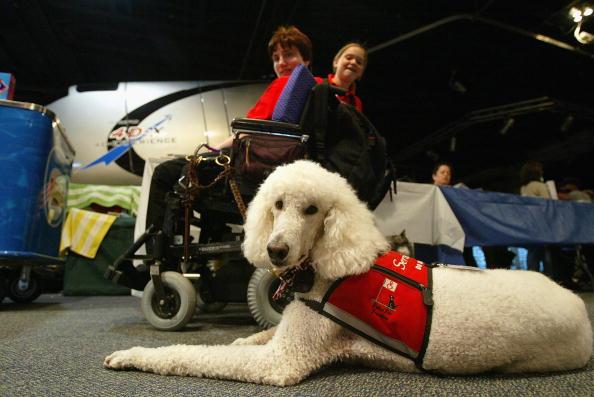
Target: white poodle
[(491, 320)]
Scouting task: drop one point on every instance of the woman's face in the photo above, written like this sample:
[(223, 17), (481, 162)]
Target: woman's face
[(443, 175), (349, 66), (284, 60)]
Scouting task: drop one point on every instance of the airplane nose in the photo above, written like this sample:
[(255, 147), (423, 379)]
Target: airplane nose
[(277, 252)]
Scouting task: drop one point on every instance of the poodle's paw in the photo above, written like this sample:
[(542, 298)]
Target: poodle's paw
[(241, 342), (123, 359)]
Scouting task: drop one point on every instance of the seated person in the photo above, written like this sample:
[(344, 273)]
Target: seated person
[(442, 174), (288, 48), (570, 190), (348, 66)]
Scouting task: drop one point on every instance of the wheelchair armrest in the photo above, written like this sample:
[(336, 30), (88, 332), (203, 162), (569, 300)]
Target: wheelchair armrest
[(268, 126)]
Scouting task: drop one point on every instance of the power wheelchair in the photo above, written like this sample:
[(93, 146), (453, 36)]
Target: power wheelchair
[(181, 274)]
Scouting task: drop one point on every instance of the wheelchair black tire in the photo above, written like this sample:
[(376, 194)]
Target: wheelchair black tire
[(184, 295), (29, 295), (259, 298), (208, 307), (3, 288)]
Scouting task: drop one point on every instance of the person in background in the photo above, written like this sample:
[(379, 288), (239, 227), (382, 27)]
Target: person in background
[(531, 176), (442, 174), (348, 66), (568, 276), (288, 47), (570, 190)]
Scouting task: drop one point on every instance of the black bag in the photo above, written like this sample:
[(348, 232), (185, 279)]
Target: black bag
[(358, 152), (256, 155), (346, 142)]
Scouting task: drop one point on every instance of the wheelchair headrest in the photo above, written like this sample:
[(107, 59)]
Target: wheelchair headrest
[(292, 100)]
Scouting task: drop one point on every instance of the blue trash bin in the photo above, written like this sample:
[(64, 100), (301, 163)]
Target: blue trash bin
[(35, 165)]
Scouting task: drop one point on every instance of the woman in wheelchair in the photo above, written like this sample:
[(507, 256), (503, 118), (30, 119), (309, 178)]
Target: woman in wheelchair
[(288, 47)]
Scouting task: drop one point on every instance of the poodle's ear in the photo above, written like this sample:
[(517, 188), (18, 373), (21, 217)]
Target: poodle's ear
[(257, 228), (350, 242)]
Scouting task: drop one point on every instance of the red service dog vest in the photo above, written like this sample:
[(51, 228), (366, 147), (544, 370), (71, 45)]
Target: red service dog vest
[(389, 305)]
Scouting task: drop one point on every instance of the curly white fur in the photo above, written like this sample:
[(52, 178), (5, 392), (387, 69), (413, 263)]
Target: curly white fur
[(492, 320), (340, 238)]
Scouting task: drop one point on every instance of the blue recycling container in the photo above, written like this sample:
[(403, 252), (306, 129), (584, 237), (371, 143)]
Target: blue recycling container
[(35, 166)]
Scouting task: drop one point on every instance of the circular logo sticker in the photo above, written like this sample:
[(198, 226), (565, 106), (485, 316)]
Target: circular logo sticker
[(54, 197)]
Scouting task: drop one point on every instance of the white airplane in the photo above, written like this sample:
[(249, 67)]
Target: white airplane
[(114, 131)]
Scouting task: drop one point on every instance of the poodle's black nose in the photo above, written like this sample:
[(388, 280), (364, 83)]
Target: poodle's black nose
[(277, 252)]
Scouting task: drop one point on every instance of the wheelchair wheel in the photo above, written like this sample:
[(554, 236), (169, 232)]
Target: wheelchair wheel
[(18, 295), (178, 307), (261, 287), (210, 307), (205, 300), (3, 288)]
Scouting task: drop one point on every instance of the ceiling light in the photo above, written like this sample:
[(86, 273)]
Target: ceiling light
[(578, 14), (507, 126), (567, 122), (432, 155), (574, 12), (582, 36), (456, 85)]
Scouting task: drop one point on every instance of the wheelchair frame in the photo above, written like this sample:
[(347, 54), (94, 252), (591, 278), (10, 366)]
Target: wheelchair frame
[(172, 290), (179, 268)]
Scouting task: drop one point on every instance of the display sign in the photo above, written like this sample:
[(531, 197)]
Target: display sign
[(7, 82)]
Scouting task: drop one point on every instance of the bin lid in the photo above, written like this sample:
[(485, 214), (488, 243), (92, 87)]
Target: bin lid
[(41, 109)]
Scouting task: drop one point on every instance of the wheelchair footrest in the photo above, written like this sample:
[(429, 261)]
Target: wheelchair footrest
[(127, 275), (123, 272)]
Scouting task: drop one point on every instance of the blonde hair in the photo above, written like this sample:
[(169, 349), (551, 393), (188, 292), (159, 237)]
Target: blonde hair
[(346, 47)]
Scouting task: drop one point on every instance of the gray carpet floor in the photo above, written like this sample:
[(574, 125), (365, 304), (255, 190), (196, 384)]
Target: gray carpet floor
[(55, 347)]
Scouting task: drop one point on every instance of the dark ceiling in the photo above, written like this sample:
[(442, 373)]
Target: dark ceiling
[(437, 69)]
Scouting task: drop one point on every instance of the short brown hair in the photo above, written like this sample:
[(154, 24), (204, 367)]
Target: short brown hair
[(290, 36)]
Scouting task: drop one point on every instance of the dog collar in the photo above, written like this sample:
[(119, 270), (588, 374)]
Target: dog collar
[(298, 279)]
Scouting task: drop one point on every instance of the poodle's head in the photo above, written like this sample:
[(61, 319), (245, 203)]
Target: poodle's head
[(304, 211)]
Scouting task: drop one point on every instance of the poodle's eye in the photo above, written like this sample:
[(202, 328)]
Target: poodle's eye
[(279, 204), (312, 209)]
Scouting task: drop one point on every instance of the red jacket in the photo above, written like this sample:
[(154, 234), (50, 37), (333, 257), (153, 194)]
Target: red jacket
[(350, 97)]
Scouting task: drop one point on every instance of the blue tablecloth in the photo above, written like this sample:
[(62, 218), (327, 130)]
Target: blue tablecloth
[(490, 219)]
